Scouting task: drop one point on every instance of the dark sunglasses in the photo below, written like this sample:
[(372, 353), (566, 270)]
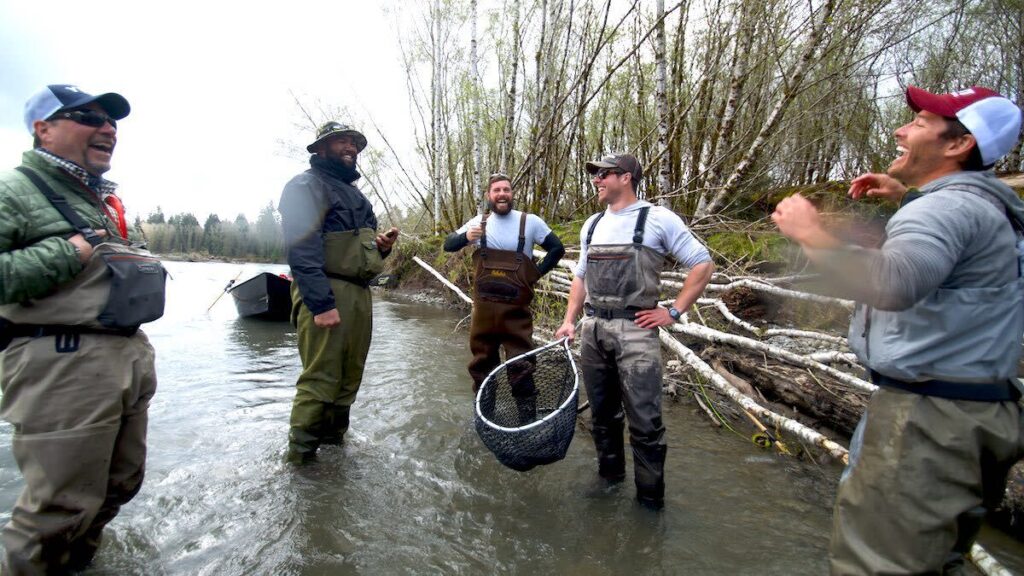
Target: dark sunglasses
[(604, 172), (90, 118)]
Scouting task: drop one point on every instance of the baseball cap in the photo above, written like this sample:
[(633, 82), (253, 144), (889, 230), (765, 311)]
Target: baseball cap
[(57, 97), (992, 119), (625, 162), (331, 129)]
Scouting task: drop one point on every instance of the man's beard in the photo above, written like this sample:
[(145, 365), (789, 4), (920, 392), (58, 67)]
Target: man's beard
[(495, 209)]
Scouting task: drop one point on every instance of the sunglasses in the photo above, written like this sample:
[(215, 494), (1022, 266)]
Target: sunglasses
[(605, 172), (90, 118)]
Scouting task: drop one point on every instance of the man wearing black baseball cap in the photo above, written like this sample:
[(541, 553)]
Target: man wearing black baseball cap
[(77, 373), (334, 250), (939, 326), (622, 253)]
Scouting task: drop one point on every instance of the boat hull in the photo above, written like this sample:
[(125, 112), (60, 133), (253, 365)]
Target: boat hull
[(266, 296)]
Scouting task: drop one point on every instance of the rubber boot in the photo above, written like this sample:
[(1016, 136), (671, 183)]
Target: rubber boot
[(611, 453), (336, 420), (84, 549), (302, 445), (649, 475)]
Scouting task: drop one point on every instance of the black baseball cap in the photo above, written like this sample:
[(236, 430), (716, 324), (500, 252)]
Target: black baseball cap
[(625, 162), (59, 97)]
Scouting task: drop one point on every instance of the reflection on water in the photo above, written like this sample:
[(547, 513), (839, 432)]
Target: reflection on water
[(413, 490)]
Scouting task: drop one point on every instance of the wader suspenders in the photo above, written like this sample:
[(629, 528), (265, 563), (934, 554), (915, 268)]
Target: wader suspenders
[(638, 232), (61, 204), (483, 235), (522, 234)]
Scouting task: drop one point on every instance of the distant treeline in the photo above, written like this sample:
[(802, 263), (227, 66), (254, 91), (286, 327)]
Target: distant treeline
[(233, 239)]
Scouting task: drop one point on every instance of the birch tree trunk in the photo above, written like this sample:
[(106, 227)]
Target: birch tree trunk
[(477, 133), (664, 183), (435, 90), (793, 83)]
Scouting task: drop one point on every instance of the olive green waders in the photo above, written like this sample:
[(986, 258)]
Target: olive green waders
[(502, 292), (922, 470), (333, 359), (79, 411)]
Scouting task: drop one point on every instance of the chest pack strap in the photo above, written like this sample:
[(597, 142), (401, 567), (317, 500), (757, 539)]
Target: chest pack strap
[(61, 204), (522, 231), (638, 232)]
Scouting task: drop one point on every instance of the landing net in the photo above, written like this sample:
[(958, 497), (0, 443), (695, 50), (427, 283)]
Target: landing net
[(526, 408)]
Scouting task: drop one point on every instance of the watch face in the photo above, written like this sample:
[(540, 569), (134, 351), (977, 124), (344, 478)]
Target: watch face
[(673, 313)]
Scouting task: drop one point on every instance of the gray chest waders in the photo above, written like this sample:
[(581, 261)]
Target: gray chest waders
[(622, 362)]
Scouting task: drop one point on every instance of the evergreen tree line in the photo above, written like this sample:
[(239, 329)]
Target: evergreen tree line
[(230, 239)]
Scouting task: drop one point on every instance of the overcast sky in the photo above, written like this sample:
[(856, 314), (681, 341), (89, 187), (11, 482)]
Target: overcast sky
[(209, 83)]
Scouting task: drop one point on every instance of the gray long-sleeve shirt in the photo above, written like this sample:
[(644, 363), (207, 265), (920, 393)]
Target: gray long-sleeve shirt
[(944, 285)]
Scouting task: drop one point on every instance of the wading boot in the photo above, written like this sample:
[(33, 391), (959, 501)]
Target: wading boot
[(649, 475), (335, 424), (302, 446), (611, 454)]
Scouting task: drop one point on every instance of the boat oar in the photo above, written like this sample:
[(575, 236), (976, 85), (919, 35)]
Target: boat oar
[(225, 291)]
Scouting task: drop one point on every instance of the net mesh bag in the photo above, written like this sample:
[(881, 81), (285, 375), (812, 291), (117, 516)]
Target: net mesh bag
[(526, 408)]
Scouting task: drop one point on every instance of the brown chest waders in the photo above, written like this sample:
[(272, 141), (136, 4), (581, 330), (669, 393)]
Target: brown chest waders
[(622, 362), (502, 293)]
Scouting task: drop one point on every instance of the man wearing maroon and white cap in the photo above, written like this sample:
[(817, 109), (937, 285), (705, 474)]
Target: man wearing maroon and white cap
[(938, 324)]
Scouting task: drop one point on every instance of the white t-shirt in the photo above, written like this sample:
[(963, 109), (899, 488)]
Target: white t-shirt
[(664, 231), (503, 231)]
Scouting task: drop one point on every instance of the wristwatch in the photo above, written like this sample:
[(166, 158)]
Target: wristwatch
[(675, 314)]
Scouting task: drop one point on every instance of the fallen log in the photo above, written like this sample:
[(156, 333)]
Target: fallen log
[(443, 280), (827, 403), (793, 427), (709, 334)]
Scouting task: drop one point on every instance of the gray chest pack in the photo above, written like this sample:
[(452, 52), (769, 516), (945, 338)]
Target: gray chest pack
[(120, 288)]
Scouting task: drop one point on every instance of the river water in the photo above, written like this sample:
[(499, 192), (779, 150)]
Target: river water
[(413, 490)]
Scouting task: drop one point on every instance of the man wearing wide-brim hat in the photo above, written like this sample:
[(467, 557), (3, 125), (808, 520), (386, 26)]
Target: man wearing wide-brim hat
[(334, 250)]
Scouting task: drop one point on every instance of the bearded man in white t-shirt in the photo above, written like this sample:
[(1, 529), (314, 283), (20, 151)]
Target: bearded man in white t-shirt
[(504, 275)]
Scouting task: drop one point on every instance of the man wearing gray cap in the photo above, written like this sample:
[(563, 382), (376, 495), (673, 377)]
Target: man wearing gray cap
[(938, 325), (77, 373), (334, 250), (622, 253)]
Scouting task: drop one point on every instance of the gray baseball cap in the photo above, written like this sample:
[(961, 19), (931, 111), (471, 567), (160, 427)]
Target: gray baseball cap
[(625, 162)]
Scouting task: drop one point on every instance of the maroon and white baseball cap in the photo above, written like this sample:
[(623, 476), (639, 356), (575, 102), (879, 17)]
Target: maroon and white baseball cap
[(992, 119)]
